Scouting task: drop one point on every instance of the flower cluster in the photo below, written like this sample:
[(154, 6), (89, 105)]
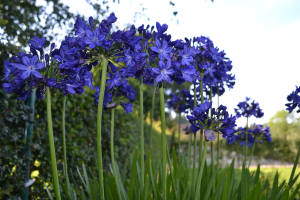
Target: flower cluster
[(255, 134), (246, 109), (154, 56), (212, 66), (219, 121), (63, 68), (99, 41), (294, 98), (177, 102)]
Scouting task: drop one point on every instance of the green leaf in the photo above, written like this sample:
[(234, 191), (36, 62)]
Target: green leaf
[(285, 195)]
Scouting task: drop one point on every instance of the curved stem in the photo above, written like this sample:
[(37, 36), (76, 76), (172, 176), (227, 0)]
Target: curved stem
[(52, 147), (142, 132), (64, 143), (152, 113), (112, 151), (99, 123), (164, 143)]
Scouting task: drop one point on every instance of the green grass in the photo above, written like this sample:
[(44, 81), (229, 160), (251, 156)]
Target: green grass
[(284, 173)]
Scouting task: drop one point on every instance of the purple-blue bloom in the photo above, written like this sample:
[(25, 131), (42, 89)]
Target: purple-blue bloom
[(94, 38), (164, 72), (162, 49), (37, 43), (30, 67)]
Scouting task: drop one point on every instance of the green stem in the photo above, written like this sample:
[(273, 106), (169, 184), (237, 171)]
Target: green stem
[(152, 112), (52, 147), (218, 147), (201, 172), (27, 150), (246, 142), (64, 143), (142, 132), (195, 143), (179, 131), (112, 151), (211, 144), (163, 138), (251, 154), (99, 123)]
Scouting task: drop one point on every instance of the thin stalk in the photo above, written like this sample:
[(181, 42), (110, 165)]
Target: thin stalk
[(201, 172), (201, 136), (195, 143), (99, 123), (251, 154), (211, 144), (218, 147), (246, 142), (164, 143), (112, 151), (142, 132), (179, 131), (27, 151), (64, 143), (52, 147), (152, 112)]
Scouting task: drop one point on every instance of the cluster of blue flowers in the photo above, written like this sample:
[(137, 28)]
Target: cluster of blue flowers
[(150, 54), (294, 98), (219, 121), (63, 68), (246, 109), (212, 66), (255, 134)]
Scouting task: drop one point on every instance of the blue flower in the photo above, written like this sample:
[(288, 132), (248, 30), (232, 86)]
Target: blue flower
[(209, 69), (30, 66), (164, 71), (8, 70), (37, 43), (94, 38), (186, 57), (294, 98), (80, 28), (247, 110), (127, 107), (115, 80), (162, 49), (188, 73)]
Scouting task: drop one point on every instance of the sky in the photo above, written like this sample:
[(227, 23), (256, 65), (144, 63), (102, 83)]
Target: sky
[(262, 38)]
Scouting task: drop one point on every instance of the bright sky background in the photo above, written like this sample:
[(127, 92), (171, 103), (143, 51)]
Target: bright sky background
[(262, 38)]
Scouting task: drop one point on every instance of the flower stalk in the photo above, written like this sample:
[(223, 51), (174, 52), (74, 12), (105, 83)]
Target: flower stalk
[(142, 132), (152, 114), (64, 143), (52, 147), (99, 123), (164, 142), (112, 152)]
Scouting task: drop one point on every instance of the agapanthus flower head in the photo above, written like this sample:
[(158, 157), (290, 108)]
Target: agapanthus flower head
[(212, 123), (256, 133), (247, 109), (65, 69), (177, 102), (294, 100)]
